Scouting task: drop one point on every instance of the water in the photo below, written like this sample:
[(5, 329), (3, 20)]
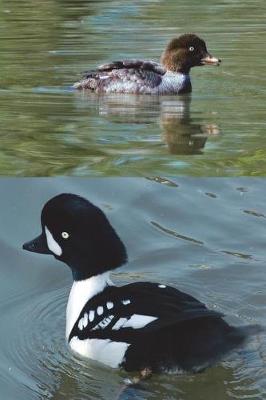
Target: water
[(204, 236), (47, 129)]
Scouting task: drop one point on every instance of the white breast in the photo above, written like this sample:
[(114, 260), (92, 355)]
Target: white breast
[(173, 82), (80, 293)]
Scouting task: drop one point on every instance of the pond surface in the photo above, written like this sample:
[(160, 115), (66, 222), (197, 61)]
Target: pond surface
[(204, 236), (48, 129)]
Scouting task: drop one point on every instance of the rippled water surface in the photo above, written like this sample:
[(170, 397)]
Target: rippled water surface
[(48, 129), (204, 236)]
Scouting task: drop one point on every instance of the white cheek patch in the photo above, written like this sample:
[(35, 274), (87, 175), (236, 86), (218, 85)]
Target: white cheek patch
[(52, 244)]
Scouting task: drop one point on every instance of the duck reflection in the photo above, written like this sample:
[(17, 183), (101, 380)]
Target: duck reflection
[(107, 384), (181, 133)]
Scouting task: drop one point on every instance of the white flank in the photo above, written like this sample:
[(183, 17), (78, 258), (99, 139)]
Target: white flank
[(52, 244), (80, 293), (103, 350), (125, 302)]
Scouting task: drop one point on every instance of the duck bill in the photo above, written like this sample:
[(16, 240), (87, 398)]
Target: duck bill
[(210, 60), (37, 245)]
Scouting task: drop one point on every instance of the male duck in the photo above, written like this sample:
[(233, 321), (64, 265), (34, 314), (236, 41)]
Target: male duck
[(142, 326), (149, 77)]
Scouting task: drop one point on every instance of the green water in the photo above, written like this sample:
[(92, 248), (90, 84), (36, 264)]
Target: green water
[(47, 129)]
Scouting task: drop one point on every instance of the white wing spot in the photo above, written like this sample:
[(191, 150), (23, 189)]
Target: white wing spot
[(91, 315), (139, 321), (85, 320), (99, 310), (102, 324), (106, 321), (119, 324), (162, 286), (109, 305), (80, 324), (125, 302)]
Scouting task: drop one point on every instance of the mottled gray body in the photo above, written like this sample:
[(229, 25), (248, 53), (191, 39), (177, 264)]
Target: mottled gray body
[(135, 76)]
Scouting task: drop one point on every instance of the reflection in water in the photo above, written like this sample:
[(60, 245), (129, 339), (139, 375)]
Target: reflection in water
[(180, 132)]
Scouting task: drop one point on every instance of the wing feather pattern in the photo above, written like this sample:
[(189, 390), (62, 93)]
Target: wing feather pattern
[(126, 76), (135, 309)]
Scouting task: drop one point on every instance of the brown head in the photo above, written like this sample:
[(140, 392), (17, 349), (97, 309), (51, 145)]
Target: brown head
[(185, 52)]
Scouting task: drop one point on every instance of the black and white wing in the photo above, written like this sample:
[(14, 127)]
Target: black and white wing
[(127, 76), (122, 314)]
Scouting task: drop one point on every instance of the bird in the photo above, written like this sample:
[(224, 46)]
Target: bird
[(142, 327), (171, 76)]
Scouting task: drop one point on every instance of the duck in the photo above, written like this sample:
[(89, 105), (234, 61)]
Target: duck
[(146, 327), (170, 77)]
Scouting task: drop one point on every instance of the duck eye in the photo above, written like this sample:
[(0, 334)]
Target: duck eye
[(191, 48), (65, 235)]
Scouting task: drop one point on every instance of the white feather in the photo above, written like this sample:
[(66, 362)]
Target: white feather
[(103, 350), (109, 305), (138, 321), (80, 293), (99, 310), (80, 324), (91, 315), (103, 324), (119, 324), (85, 320)]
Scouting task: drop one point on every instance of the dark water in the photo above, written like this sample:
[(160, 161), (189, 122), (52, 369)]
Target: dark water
[(204, 236), (47, 129)]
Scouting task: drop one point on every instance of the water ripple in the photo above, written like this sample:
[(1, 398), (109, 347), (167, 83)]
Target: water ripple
[(175, 234)]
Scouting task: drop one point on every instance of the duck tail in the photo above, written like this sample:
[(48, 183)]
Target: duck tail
[(243, 333), (251, 330)]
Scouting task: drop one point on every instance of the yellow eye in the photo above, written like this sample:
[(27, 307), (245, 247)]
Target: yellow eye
[(65, 235), (191, 48)]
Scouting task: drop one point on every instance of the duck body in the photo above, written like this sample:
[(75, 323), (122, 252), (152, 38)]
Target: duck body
[(147, 325), (135, 76), (140, 326), (171, 76)]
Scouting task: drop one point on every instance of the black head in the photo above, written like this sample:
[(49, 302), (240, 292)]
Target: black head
[(185, 52), (78, 233)]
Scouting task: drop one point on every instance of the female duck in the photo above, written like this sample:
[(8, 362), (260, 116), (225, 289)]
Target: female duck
[(149, 77), (141, 326)]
